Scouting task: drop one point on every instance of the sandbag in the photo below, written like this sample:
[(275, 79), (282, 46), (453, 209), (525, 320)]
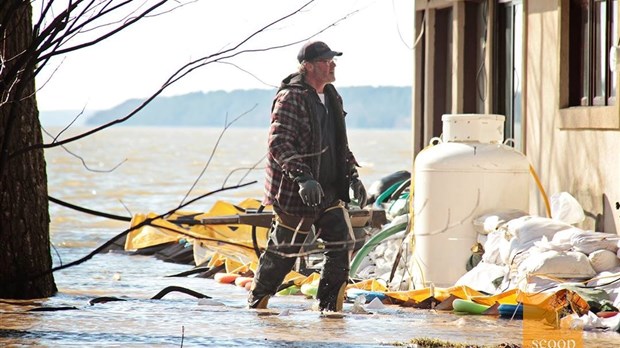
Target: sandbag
[(521, 233), (528, 228), (544, 244), (565, 208), (590, 241), (482, 277), (565, 236), (608, 281), (492, 220), (565, 265), (491, 248), (603, 260)]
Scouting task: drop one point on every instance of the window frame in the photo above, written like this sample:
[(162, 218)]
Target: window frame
[(508, 70), (594, 112)]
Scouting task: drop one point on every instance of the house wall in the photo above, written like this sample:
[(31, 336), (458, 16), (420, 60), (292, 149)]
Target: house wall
[(576, 150)]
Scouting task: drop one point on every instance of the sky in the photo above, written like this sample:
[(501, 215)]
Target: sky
[(376, 37)]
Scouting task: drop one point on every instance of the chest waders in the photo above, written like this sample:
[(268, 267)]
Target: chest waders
[(286, 240)]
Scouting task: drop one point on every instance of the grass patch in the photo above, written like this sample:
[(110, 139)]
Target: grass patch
[(425, 342)]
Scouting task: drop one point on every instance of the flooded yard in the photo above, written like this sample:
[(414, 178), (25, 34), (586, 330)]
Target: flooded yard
[(180, 320)]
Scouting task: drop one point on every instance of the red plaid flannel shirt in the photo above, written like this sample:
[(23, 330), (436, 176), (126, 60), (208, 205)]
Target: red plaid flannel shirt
[(294, 146)]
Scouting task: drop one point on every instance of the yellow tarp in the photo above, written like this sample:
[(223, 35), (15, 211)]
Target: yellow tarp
[(440, 294), (506, 297), (299, 279), (368, 284), (555, 301), (232, 240), (417, 295)]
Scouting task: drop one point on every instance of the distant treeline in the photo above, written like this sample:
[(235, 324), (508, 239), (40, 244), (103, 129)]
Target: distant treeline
[(367, 107)]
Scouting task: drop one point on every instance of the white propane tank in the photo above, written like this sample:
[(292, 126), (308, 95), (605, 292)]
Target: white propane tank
[(471, 171)]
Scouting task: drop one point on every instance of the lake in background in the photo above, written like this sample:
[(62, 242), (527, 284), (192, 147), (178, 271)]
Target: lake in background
[(159, 166)]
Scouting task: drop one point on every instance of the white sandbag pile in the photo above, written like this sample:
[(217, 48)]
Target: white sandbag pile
[(534, 251), (379, 262)]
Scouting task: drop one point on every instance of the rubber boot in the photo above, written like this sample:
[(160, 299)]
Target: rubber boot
[(258, 302), (273, 266), (331, 296), (333, 283), (334, 227)]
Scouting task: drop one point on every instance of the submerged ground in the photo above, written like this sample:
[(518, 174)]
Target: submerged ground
[(223, 321)]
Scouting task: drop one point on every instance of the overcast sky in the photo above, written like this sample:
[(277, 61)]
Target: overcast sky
[(377, 44)]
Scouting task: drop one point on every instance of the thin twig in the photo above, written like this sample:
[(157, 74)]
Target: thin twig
[(204, 169), (249, 73), (247, 169), (83, 161), (182, 335)]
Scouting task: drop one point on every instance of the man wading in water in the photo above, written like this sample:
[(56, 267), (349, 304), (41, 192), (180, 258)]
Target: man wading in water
[(309, 171)]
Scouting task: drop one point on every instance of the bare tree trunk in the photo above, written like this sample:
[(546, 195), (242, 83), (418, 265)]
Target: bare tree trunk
[(25, 258)]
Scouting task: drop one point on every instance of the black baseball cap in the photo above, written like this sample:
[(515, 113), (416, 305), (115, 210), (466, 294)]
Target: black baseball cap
[(316, 50)]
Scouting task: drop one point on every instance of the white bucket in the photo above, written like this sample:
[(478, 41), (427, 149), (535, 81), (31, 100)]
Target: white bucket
[(455, 181)]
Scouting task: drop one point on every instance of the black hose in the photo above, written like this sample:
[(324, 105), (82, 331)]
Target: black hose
[(170, 289), (104, 299), (159, 295), (52, 309)]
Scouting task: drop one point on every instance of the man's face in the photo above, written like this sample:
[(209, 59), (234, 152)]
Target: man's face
[(324, 70)]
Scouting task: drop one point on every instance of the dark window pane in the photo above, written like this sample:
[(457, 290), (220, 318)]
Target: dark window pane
[(474, 73), (592, 33), (442, 93), (600, 53), (508, 68), (614, 41), (579, 53)]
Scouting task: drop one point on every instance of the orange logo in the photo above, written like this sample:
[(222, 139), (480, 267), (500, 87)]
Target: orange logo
[(541, 329)]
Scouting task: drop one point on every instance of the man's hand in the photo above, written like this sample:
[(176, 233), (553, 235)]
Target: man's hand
[(310, 191), (359, 192)]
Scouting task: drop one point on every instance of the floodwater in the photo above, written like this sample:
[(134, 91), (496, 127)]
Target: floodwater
[(161, 165)]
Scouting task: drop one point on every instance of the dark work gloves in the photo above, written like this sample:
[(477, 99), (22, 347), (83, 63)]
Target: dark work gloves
[(310, 190), (359, 191)]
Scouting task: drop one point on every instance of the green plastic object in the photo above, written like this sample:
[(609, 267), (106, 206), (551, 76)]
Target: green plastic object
[(309, 289), (387, 193), (467, 306), (372, 243), (291, 290)]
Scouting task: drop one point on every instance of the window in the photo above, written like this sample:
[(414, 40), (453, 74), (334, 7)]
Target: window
[(474, 75), (592, 33), (508, 68), (442, 92)]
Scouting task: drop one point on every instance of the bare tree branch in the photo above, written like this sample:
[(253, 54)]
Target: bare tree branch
[(204, 169), (69, 125), (190, 67), (147, 16), (249, 73), (147, 221), (247, 169), (82, 159)]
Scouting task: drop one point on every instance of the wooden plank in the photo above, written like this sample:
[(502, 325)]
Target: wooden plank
[(359, 218)]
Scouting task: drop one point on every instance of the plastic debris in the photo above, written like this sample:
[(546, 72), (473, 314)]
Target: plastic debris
[(375, 304), (358, 305)]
